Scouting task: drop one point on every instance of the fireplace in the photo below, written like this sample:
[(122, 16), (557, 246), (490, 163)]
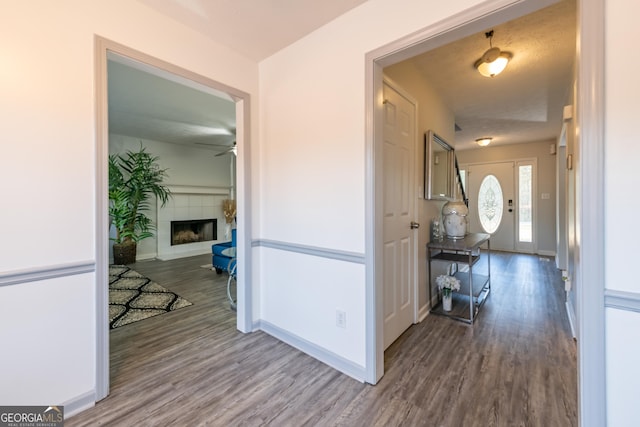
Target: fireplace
[(195, 230)]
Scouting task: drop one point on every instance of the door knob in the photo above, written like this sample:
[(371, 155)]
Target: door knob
[(414, 225)]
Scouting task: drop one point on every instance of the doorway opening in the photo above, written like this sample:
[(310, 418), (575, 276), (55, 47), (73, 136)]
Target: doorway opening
[(589, 100), (105, 51), (417, 55)]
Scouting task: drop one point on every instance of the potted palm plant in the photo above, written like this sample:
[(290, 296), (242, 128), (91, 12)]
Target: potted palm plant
[(134, 177)]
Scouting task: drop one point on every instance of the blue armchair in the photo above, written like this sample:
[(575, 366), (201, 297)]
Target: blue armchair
[(221, 262)]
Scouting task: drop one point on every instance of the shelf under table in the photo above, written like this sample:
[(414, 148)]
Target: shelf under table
[(480, 281), (455, 257), (470, 243)]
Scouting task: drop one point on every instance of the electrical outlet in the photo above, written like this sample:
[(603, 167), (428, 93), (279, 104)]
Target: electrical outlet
[(341, 319)]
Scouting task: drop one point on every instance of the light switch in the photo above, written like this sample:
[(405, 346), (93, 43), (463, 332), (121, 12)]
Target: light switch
[(545, 196)]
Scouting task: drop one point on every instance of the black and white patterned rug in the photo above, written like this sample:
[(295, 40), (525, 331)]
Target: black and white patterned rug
[(133, 297)]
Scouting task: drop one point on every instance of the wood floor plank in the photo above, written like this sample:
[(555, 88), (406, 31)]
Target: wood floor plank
[(516, 366)]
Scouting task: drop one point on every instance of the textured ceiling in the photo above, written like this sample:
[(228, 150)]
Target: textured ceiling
[(522, 104), (525, 102)]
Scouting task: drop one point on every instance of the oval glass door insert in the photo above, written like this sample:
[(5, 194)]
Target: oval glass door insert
[(490, 204)]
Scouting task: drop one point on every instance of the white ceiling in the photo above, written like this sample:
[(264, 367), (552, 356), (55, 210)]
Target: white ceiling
[(522, 104), (156, 106), (255, 28), (153, 107)]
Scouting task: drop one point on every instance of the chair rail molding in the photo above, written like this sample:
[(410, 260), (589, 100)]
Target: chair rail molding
[(355, 257), (622, 300), (34, 274)]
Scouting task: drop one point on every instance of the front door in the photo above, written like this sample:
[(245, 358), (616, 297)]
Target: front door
[(492, 202), (399, 194)]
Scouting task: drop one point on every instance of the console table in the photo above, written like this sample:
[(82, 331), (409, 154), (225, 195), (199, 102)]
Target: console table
[(474, 288)]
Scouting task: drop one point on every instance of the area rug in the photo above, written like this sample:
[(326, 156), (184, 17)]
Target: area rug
[(133, 297)]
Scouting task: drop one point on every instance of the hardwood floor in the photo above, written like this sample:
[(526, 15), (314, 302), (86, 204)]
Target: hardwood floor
[(515, 367)]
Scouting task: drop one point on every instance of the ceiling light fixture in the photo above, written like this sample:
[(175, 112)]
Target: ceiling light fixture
[(493, 61), (483, 142)]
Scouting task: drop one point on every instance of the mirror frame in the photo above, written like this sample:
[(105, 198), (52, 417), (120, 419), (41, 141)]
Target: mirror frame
[(430, 140)]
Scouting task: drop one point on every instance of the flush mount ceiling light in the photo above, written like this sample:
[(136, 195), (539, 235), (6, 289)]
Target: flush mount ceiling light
[(483, 142), (493, 61)]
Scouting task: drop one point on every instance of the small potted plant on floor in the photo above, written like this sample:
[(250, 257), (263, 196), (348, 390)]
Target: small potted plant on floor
[(447, 284), (134, 177)]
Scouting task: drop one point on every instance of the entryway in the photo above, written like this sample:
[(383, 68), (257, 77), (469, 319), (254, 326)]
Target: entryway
[(105, 48), (590, 78), (501, 203), (491, 203)]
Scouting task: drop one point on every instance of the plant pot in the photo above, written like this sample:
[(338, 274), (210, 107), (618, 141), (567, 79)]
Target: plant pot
[(447, 302), (124, 253)]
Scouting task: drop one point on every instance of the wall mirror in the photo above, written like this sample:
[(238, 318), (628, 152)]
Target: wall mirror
[(438, 167)]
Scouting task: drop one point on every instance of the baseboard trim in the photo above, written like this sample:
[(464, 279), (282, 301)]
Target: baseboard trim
[(355, 257), (327, 357), (423, 312), (79, 404), (547, 253), (45, 273), (622, 300), (145, 257), (194, 252)]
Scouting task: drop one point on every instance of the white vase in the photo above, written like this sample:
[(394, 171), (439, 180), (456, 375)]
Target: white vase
[(446, 302), (454, 219)]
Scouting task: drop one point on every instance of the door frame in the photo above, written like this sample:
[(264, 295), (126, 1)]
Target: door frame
[(590, 120), (244, 322)]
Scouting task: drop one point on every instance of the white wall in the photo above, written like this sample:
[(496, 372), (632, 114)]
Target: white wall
[(48, 159), (334, 101), (622, 148), (622, 152), (332, 59), (185, 165), (312, 160)]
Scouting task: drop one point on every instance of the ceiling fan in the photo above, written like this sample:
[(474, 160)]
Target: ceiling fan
[(233, 150), (221, 140)]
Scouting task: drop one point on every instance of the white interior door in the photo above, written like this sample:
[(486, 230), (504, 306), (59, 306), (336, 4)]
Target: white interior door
[(398, 205), (492, 202)]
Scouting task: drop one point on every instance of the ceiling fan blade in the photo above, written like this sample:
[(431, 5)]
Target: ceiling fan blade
[(233, 150), (210, 144)]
